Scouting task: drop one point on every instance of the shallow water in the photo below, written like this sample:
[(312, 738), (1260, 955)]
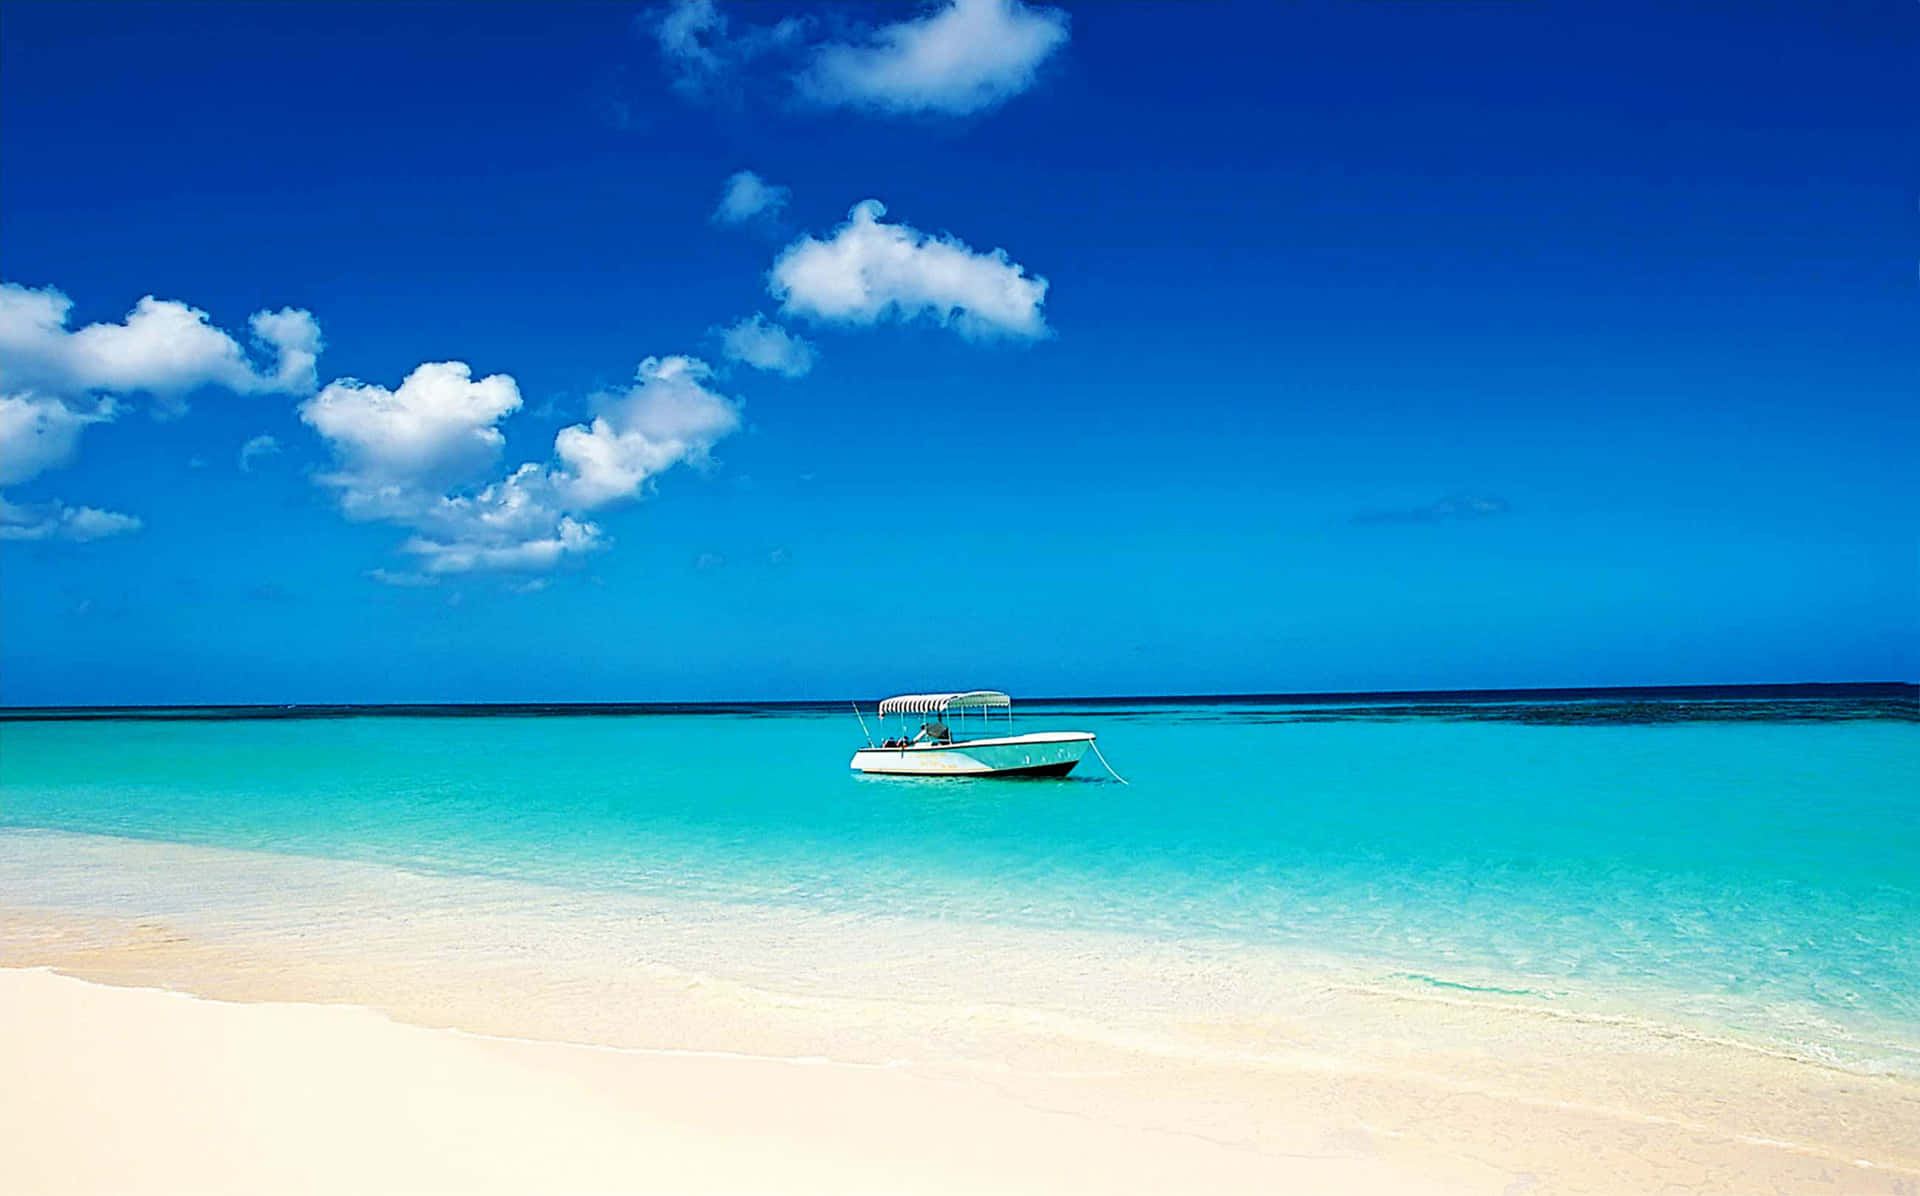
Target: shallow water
[(1749, 863)]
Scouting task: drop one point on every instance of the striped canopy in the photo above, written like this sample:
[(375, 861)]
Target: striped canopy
[(973, 699)]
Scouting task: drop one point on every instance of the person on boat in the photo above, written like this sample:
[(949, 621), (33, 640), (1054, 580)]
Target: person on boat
[(934, 733)]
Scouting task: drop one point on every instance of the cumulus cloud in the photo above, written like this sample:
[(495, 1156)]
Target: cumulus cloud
[(668, 416), (748, 195), (294, 337), (960, 57), (58, 521), (163, 348), (56, 380), (868, 271), (764, 345), (569, 535), (405, 455), (39, 433), (260, 446), (437, 429)]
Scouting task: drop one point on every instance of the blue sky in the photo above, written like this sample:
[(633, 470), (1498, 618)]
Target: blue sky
[(1192, 348)]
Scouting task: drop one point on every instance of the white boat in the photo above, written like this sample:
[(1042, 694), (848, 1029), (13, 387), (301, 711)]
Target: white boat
[(935, 750)]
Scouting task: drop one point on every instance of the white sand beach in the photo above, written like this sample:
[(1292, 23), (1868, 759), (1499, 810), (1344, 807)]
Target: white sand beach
[(138, 1090), (333, 1027)]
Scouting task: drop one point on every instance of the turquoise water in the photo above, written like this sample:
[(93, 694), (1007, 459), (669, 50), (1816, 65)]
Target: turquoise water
[(1756, 860)]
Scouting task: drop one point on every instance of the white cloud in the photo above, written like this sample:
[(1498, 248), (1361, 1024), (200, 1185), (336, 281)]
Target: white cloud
[(58, 521), (961, 57), (667, 417), (400, 451), (868, 271), (435, 430), (38, 434), (569, 536), (54, 381), (260, 446), (949, 59), (294, 336), (748, 195), (163, 348), (764, 345)]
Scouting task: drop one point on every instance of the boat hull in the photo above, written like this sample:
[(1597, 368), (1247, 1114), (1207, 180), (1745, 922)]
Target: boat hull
[(1043, 754)]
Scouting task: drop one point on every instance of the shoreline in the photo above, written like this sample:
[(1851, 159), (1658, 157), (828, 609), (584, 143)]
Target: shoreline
[(324, 900), (1267, 1062)]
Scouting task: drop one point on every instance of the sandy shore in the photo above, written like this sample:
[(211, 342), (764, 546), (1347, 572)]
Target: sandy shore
[(139, 1090), (117, 1089), (267, 1024)]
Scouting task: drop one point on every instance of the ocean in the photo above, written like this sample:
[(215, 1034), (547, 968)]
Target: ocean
[(1738, 863)]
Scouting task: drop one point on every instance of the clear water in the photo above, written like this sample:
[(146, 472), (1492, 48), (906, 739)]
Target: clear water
[(1755, 861)]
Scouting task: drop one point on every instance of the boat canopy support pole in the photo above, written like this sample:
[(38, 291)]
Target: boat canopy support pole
[(1103, 763)]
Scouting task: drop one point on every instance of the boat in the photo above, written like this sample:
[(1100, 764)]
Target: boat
[(935, 750)]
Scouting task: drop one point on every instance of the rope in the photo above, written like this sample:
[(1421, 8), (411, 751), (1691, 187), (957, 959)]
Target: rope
[(1103, 763)]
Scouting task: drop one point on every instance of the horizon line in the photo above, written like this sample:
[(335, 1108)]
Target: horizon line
[(1304, 697)]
